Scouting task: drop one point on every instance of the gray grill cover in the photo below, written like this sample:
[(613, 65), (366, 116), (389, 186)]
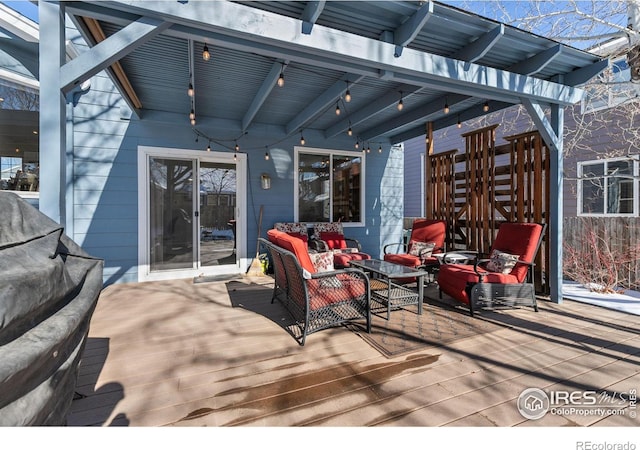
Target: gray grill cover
[(49, 288)]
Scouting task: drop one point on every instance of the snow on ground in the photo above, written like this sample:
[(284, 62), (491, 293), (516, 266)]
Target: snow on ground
[(629, 301)]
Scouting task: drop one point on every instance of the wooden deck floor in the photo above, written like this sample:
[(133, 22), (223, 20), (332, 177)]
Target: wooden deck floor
[(181, 353)]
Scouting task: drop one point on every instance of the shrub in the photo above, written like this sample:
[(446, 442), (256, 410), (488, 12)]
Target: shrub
[(600, 255)]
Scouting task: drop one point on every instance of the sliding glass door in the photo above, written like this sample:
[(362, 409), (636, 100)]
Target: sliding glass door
[(191, 215)]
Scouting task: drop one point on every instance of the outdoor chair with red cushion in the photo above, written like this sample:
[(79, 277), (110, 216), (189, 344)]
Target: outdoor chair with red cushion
[(329, 236), (503, 279), (427, 237), (317, 296)]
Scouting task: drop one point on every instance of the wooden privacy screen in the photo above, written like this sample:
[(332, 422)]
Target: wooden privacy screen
[(488, 185)]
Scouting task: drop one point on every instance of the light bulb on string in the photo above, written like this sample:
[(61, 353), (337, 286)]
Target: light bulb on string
[(193, 122), (237, 148), (205, 53), (485, 107), (302, 141), (459, 124), (190, 90), (380, 149), (357, 144), (192, 114), (400, 103), (209, 147), (350, 131), (281, 77), (338, 109)]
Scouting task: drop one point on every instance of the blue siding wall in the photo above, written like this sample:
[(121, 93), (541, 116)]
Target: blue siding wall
[(105, 179), (413, 151)]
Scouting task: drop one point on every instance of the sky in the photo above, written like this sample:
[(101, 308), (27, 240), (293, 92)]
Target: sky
[(24, 7)]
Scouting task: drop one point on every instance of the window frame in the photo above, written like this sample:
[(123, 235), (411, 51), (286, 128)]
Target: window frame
[(605, 163), (331, 153)]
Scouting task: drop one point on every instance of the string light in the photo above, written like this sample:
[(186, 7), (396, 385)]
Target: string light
[(446, 108), (400, 103), (459, 123), (302, 141), (338, 109), (237, 148), (281, 77), (205, 53), (485, 107), (380, 149), (350, 131), (347, 95), (192, 114), (266, 156), (357, 145), (190, 90), (209, 147), (193, 122)]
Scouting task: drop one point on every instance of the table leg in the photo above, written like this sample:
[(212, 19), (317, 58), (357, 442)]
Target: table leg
[(420, 293), (388, 298)]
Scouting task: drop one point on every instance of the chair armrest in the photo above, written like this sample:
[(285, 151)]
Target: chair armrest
[(398, 245), (353, 243), (318, 245), (333, 273), (479, 262)]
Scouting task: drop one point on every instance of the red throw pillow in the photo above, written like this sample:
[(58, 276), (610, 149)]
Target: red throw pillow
[(333, 240)]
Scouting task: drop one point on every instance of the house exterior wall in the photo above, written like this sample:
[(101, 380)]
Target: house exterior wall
[(104, 182)]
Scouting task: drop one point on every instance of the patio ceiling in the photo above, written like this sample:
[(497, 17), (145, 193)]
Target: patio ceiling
[(426, 53)]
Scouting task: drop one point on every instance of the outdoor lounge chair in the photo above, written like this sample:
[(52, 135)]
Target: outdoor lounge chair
[(505, 278), (427, 237), (315, 299), (330, 237)]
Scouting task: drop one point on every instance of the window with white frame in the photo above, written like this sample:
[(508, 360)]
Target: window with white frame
[(329, 186), (608, 187)]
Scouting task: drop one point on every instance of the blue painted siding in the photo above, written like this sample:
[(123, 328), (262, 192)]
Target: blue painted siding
[(105, 186), (414, 149)]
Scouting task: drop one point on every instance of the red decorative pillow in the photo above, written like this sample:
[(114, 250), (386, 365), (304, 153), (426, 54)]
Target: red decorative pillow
[(333, 240)]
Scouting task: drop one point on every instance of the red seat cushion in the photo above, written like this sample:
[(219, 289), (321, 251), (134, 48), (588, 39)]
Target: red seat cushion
[(343, 259), (454, 278), (325, 291), (403, 259), (334, 240)]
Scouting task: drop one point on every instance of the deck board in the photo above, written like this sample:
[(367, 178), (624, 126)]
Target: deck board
[(179, 353)]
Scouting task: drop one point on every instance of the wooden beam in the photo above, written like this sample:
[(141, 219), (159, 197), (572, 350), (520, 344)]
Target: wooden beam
[(310, 15), (110, 50), (93, 26), (407, 32), (478, 48)]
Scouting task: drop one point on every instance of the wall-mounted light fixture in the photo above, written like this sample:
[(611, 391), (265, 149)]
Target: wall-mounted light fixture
[(265, 181)]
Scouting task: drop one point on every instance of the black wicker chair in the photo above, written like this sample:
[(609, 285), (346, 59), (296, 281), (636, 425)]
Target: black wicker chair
[(320, 300)]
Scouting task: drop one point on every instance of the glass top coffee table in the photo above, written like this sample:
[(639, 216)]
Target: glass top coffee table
[(384, 282)]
